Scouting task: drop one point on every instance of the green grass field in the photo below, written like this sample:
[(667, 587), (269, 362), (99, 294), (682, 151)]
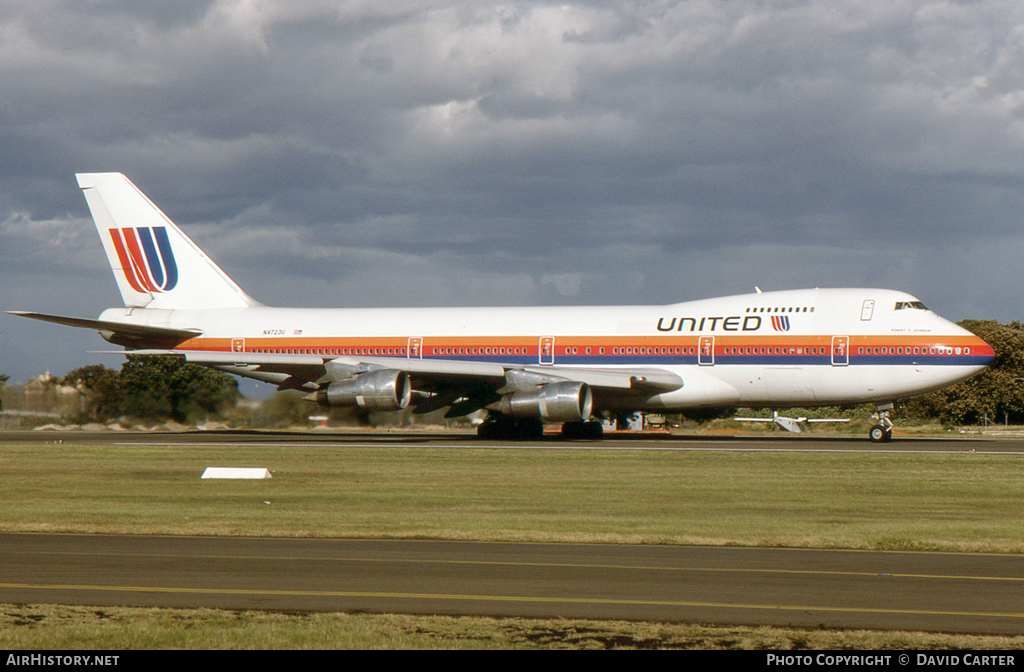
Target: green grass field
[(962, 502), (888, 501)]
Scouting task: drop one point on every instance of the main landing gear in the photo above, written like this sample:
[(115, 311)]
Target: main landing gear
[(506, 428), (882, 432), (591, 430)]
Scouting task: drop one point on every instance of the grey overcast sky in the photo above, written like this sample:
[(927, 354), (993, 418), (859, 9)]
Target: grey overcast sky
[(516, 153)]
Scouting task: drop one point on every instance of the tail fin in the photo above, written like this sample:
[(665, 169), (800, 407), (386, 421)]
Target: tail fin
[(155, 264)]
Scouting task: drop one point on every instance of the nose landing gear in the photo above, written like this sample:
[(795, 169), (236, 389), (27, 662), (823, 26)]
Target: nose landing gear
[(882, 432)]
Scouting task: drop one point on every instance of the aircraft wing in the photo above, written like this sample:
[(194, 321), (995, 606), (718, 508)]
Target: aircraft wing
[(307, 372)]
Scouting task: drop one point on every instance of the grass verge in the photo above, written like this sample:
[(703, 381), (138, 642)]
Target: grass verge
[(120, 628)]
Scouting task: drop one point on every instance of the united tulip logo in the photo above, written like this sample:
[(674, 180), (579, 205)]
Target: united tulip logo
[(146, 258), (780, 322)]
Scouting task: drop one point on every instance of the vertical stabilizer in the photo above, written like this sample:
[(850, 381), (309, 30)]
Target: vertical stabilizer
[(155, 264)]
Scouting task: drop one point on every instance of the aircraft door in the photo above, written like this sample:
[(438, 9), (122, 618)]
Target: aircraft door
[(867, 309), (840, 350), (237, 345), (706, 351), (546, 350), (415, 348)]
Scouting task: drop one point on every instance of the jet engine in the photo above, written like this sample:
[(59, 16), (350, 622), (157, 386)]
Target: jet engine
[(560, 402), (378, 390)]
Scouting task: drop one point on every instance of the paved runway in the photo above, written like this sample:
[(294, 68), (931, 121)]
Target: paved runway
[(971, 593), (974, 593), (776, 441)]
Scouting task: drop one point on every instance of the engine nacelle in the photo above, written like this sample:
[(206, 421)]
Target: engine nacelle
[(560, 402), (379, 390)]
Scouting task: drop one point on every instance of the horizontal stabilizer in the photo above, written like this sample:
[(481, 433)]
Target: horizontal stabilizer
[(121, 333)]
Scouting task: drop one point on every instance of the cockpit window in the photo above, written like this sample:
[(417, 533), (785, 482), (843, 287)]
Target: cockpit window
[(908, 305)]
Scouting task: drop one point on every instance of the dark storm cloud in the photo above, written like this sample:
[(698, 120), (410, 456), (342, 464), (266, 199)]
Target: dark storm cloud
[(430, 153)]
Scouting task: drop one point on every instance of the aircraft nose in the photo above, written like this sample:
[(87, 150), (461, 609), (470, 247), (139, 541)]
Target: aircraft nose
[(982, 354)]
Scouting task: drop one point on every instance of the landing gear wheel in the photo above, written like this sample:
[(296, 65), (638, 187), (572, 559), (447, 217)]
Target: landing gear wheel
[(572, 430), (880, 434), (585, 431), (487, 431), (505, 428), (528, 429)]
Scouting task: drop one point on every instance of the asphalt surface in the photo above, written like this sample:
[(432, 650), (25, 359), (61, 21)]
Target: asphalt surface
[(971, 593), (949, 592)]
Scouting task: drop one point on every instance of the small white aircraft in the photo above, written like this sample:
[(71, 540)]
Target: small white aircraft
[(802, 348), (795, 425)]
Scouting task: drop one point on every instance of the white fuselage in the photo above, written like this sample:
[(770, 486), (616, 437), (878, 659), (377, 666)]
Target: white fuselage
[(789, 348)]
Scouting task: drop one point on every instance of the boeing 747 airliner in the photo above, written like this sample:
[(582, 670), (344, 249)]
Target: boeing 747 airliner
[(806, 348)]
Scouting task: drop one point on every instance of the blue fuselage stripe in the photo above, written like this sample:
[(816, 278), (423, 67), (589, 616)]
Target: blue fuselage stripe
[(724, 360)]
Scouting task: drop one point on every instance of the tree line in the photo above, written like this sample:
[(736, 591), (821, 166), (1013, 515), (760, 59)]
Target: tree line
[(152, 388)]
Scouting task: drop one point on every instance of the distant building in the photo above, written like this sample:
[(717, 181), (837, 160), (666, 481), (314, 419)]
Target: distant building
[(45, 394)]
